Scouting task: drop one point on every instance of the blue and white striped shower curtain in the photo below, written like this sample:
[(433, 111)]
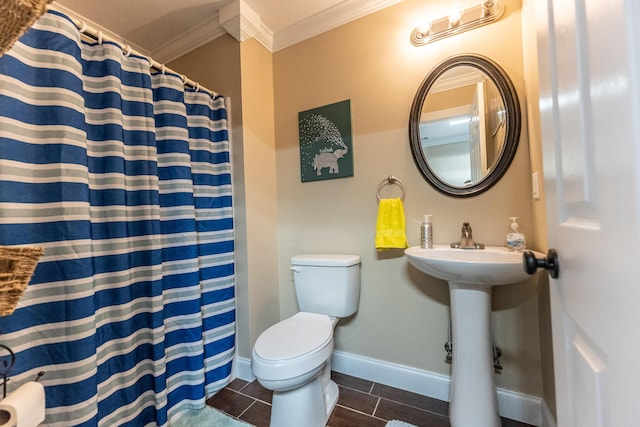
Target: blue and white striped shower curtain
[(124, 178)]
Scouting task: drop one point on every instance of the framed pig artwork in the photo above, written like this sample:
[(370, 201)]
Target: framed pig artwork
[(326, 149)]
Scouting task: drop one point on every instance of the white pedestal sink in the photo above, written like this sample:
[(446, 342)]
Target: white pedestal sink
[(471, 274)]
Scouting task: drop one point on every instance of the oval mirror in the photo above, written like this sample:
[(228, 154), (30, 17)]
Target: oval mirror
[(464, 125)]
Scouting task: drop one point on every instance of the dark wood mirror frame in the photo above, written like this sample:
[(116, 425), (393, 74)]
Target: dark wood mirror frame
[(513, 124)]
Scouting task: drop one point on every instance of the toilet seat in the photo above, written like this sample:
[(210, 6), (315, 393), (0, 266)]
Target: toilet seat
[(294, 337), (293, 347)]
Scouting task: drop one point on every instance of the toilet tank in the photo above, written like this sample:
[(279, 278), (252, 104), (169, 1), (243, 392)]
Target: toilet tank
[(327, 283)]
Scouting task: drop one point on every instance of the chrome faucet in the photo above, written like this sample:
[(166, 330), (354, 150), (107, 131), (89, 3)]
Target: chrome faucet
[(466, 240)]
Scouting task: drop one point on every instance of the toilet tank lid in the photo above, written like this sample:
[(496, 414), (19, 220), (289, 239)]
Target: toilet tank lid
[(326, 260)]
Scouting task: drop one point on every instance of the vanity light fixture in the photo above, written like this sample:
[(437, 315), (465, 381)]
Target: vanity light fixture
[(458, 22)]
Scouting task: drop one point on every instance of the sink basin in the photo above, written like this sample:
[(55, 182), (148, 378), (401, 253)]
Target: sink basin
[(493, 265)]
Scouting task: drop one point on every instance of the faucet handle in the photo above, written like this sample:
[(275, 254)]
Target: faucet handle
[(466, 229), (466, 240)]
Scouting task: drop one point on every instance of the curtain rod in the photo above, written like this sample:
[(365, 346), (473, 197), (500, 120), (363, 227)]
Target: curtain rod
[(99, 36)]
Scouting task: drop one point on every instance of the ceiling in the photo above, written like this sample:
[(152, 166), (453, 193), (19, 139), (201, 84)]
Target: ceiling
[(167, 29)]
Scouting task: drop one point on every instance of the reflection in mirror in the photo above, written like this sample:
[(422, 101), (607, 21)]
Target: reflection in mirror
[(459, 125), (462, 126)]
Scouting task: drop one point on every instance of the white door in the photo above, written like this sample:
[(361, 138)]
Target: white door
[(590, 113), (478, 134)]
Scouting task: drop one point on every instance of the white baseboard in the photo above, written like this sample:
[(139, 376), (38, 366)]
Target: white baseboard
[(520, 407), (548, 419), (391, 374), (516, 406), (242, 369)]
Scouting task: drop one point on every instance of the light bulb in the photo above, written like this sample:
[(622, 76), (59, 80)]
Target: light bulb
[(454, 18), (424, 27)]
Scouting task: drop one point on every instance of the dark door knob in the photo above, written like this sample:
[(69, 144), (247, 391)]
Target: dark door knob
[(550, 263)]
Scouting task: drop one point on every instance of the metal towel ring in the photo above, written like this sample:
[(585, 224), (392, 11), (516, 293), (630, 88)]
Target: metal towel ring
[(390, 181)]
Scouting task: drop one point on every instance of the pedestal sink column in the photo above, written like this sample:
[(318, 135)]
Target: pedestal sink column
[(471, 274), (472, 396)]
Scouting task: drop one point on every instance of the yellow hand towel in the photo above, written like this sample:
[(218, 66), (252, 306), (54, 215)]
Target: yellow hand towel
[(390, 226)]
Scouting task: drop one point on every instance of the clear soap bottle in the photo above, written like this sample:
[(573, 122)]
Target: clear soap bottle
[(515, 239), (426, 233)]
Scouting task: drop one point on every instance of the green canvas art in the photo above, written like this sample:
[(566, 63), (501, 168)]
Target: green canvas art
[(326, 149)]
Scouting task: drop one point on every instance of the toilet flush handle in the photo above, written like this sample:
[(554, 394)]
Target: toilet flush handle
[(295, 269)]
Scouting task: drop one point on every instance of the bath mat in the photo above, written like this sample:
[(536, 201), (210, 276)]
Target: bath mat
[(396, 423), (207, 417)]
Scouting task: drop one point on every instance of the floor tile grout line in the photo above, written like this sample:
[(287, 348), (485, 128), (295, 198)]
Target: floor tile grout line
[(395, 401), (246, 409), (415, 407), (243, 387), (373, 414), (380, 398), (251, 397), (371, 389), (360, 412)]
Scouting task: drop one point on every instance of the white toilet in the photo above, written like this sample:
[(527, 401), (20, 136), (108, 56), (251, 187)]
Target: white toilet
[(293, 357)]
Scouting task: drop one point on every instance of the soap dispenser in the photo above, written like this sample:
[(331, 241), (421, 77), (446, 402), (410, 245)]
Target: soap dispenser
[(426, 233), (515, 239)]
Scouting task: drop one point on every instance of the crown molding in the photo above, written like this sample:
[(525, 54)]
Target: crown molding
[(265, 37), (242, 22), (189, 41), (326, 20)]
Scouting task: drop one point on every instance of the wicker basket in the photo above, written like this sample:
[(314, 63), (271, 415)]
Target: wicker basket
[(16, 268), (16, 16)]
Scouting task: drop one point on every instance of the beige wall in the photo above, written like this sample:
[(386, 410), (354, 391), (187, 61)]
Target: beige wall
[(403, 315), (243, 72), (539, 207), (260, 188)]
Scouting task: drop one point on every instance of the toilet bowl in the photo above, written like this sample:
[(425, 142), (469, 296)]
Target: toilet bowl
[(293, 357)]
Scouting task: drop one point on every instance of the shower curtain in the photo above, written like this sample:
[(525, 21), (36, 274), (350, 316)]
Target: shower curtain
[(123, 176)]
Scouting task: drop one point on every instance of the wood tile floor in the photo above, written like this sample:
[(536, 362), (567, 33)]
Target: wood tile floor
[(362, 403)]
